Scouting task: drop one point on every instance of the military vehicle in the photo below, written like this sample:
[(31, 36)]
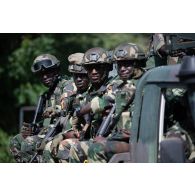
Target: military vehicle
[(147, 142)]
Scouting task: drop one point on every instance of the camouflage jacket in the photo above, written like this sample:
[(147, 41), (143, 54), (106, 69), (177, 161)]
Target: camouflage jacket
[(123, 92), (54, 102), (178, 118), (98, 99), (72, 103), (158, 41)]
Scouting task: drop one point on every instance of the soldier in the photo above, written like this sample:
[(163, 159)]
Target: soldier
[(160, 55), (179, 109), (97, 63), (130, 60), (57, 147), (46, 67)]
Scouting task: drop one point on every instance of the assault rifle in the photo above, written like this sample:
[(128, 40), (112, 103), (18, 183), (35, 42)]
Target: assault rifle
[(109, 122), (51, 132), (41, 106), (38, 114), (177, 43), (104, 128)]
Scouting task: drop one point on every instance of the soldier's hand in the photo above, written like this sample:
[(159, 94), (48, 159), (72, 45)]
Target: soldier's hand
[(26, 130), (48, 112), (107, 103), (108, 106), (51, 112), (55, 143)]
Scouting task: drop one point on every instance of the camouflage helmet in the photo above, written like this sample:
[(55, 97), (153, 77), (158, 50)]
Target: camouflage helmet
[(75, 65), (128, 51), (96, 55), (43, 62)]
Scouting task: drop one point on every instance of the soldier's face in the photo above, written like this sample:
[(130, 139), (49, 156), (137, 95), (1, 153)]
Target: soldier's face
[(96, 73), (125, 69), (47, 77), (81, 82)]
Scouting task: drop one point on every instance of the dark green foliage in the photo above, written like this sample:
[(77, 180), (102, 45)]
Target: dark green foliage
[(5, 155)]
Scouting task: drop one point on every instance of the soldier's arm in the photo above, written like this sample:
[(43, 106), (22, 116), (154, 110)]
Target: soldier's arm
[(159, 44), (97, 105)]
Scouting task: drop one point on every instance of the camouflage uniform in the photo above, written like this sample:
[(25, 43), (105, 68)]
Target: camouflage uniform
[(28, 146), (87, 151), (178, 120), (158, 42), (74, 124), (118, 91), (118, 140), (95, 57), (23, 148), (71, 102), (79, 149)]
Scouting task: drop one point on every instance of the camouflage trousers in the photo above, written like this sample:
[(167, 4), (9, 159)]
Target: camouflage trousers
[(15, 147), (63, 151), (79, 151), (28, 148), (103, 151), (96, 152), (24, 149), (47, 155)]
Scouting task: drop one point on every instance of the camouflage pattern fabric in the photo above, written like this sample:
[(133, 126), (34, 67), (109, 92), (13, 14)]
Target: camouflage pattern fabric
[(20, 147), (79, 152), (101, 152), (47, 156), (99, 100), (62, 155), (96, 56), (123, 92), (75, 124), (128, 51), (96, 152), (28, 148), (15, 147), (118, 139), (159, 42), (78, 101), (68, 90), (178, 121)]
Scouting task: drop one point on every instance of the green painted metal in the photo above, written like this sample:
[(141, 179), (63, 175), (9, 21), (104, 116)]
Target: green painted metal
[(146, 116)]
